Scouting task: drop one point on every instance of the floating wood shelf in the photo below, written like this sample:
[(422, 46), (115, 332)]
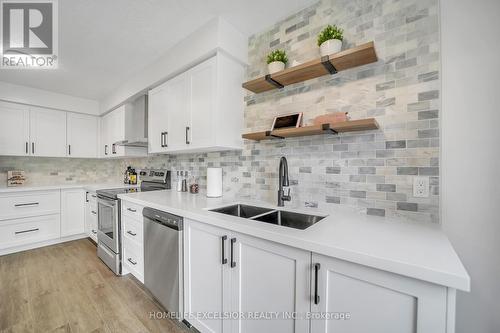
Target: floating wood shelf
[(356, 56), (346, 126)]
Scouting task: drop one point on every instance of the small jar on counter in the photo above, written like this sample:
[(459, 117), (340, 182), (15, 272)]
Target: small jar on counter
[(194, 188)]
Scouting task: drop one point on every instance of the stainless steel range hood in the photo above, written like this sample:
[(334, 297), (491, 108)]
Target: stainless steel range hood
[(137, 136)]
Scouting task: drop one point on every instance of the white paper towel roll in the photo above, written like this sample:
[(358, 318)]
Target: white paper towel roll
[(214, 182)]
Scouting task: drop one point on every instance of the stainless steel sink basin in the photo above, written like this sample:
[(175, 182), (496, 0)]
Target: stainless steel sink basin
[(278, 217), (245, 211), (289, 219)]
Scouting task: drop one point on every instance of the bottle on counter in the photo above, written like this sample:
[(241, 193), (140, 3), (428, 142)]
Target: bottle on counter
[(133, 177), (184, 182), (126, 179), (194, 188), (180, 174)]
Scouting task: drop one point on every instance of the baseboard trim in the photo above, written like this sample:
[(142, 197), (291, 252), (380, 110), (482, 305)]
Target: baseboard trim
[(27, 247)]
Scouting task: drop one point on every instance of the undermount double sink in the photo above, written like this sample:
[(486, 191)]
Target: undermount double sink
[(269, 215)]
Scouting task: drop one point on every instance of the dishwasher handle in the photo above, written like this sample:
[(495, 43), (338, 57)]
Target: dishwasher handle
[(166, 219)]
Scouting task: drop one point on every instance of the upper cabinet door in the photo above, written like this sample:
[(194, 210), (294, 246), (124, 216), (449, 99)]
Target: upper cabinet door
[(47, 132), (81, 135), (202, 81), (104, 148), (178, 113), (116, 131), (14, 129), (157, 119)]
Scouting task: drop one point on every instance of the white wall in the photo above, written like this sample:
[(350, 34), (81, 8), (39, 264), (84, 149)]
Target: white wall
[(471, 153), (32, 96), (203, 43)]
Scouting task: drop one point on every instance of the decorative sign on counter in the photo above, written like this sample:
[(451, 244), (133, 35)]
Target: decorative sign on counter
[(15, 178)]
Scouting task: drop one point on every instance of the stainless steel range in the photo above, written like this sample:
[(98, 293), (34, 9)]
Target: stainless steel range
[(108, 215)]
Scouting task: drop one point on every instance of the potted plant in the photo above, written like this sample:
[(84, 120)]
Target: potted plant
[(276, 61), (330, 40)]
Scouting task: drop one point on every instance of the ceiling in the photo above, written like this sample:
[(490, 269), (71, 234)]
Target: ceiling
[(103, 42)]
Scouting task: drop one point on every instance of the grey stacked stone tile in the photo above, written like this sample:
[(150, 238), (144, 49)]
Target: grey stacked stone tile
[(371, 171)]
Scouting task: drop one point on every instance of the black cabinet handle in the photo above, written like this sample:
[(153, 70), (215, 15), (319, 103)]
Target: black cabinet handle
[(25, 231), (187, 135), (69, 149), (113, 148), (27, 148), (94, 232), (33, 148), (131, 233), (94, 212), (164, 139), (132, 210), (131, 261), (86, 196), (317, 266), (223, 242), (27, 204), (233, 263), (105, 149)]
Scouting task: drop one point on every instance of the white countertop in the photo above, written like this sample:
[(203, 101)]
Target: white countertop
[(89, 187), (417, 250)]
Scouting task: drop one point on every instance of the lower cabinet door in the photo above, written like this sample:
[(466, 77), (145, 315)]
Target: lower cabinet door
[(133, 258), (29, 230), (356, 298), (72, 212), (270, 282), (206, 273)]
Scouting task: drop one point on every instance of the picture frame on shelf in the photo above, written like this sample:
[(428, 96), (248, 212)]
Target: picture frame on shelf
[(293, 120)]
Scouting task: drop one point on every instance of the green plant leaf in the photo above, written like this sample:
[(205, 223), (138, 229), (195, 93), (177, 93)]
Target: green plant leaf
[(277, 55), (330, 32)]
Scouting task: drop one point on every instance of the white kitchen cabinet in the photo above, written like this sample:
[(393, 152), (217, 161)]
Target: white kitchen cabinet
[(375, 301), (198, 110), (178, 112), (47, 132), (28, 230), (14, 129), (271, 278), (29, 219), (91, 215), (207, 275), (15, 205), (133, 240), (35, 131), (72, 212), (158, 119), (118, 128), (81, 135), (247, 275), (202, 87)]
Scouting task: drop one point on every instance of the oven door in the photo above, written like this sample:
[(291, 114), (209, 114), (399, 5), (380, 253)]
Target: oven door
[(108, 223)]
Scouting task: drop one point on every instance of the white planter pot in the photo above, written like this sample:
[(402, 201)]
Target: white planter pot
[(330, 46), (275, 66)]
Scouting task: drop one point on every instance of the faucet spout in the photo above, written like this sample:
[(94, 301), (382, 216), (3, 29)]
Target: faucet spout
[(283, 181)]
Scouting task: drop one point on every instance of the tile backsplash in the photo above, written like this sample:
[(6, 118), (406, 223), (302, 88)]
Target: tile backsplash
[(371, 171)]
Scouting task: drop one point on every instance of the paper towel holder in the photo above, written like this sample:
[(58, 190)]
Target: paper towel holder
[(214, 182)]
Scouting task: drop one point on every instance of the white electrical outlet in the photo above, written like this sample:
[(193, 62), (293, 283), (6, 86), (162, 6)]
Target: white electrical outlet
[(421, 187)]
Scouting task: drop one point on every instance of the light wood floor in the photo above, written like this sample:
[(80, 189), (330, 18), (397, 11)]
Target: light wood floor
[(66, 288)]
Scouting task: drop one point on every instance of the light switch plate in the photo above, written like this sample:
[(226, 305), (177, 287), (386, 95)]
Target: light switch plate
[(421, 187)]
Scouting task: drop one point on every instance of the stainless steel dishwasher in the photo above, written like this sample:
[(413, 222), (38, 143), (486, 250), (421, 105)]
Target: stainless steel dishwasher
[(163, 258)]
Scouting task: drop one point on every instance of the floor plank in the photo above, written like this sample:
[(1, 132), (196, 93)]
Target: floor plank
[(66, 288)]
